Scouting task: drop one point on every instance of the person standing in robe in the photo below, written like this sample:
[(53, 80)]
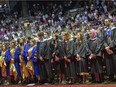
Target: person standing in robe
[(81, 57), (25, 55), (68, 56), (43, 55), (4, 63), (94, 48), (25, 50), (14, 63), (108, 41), (23, 61), (57, 60), (113, 46), (32, 52), (29, 64)]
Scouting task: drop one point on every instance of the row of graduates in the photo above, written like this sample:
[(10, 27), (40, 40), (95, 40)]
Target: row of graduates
[(67, 58), (18, 62)]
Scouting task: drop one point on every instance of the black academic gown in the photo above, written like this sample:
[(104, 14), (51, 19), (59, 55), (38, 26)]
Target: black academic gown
[(113, 47), (109, 59), (47, 58), (113, 38), (94, 47), (57, 49), (68, 51), (81, 50), (43, 50)]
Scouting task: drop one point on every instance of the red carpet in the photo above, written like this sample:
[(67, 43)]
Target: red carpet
[(65, 86)]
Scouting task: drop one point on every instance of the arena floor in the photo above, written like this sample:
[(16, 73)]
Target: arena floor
[(113, 84), (67, 86)]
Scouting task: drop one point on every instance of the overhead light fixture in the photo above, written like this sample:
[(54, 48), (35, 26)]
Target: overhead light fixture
[(0, 6), (4, 5)]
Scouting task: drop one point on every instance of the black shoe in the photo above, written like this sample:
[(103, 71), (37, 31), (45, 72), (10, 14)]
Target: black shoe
[(69, 82), (93, 82), (47, 84), (64, 82), (41, 82), (0, 82), (107, 81), (80, 81), (38, 83), (49, 81)]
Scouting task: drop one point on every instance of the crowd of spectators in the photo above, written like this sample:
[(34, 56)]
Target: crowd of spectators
[(56, 16)]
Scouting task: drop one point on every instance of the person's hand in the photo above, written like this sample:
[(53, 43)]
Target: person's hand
[(92, 56), (28, 58), (12, 60), (65, 58), (57, 58), (35, 55), (78, 58), (53, 54), (41, 59), (109, 51), (107, 48), (68, 60), (52, 61)]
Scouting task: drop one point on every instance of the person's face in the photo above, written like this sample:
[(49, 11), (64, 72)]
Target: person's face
[(107, 22), (40, 37), (90, 34), (54, 37), (21, 40), (78, 36), (100, 28), (3, 47), (12, 44), (65, 37), (31, 43)]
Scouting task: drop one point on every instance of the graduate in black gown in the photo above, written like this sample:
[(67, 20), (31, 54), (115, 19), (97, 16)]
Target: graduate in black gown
[(81, 57), (44, 59), (68, 55), (109, 35), (57, 60), (113, 46), (94, 48)]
